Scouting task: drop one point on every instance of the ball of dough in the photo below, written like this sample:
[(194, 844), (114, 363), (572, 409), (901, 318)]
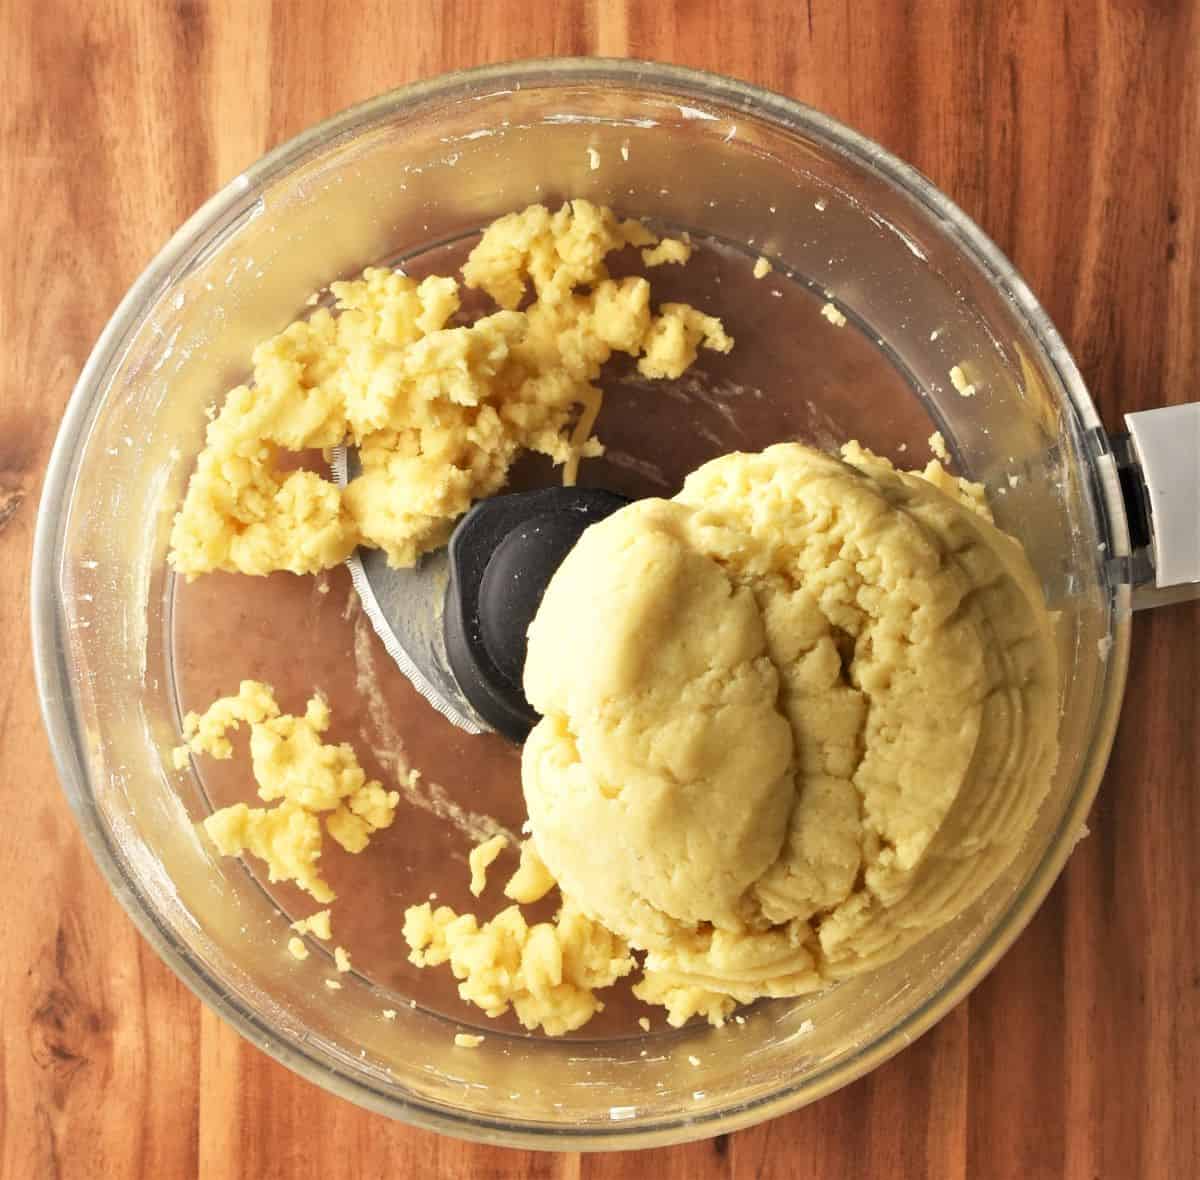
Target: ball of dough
[(793, 720), (660, 779)]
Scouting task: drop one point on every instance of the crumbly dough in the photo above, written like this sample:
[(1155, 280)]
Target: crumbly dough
[(961, 383), (308, 780), (438, 413), (547, 973), (668, 250), (319, 925), (833, 314), (891, 654)]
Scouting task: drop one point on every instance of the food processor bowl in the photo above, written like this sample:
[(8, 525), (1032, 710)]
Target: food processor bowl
[(941, 334)]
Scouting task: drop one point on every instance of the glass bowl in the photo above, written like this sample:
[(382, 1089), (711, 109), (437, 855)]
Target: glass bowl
[(121, 650)]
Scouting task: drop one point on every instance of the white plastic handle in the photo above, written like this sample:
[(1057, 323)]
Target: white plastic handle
[(1166, 446)]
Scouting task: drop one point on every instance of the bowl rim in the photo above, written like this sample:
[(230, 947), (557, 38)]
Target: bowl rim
[(54, 681)]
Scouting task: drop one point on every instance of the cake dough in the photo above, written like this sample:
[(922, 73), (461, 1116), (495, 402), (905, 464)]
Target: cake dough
[(793, 720)]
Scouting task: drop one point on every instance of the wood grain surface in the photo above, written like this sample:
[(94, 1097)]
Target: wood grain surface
[(1070, 131)]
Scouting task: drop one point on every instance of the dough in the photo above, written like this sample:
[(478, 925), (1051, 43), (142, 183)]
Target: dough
[(319, 925), (438, 413), (306, 778), (668, 250), (481, 858), (645, 727), (547, 973), (792, 720), (532, 881)]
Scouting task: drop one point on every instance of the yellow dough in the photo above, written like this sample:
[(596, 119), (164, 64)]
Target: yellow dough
[(792, 720), (481, 858), (309, 778), (547, 973), (438, 413), (532, 881)]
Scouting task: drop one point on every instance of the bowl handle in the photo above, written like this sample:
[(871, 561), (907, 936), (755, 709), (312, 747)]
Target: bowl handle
[(1158, 463)]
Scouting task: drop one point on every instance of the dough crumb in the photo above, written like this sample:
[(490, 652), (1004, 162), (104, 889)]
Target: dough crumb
[(644, 1023), (593, 158), (762, 268), (547, 973), (532, 880), (297, 948), (834, 315), (668, 250), (674, 339), (304, 776), (958, 378), (468, 1040), (389, 1013), (180, 757), (937, 444), (482, 856), (333, 985), (319, 925), (693, 1060), (341, 958)]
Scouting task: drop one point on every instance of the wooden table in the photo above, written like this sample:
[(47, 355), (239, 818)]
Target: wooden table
[(1071, 132)]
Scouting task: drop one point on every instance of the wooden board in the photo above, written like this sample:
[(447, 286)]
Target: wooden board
[(1071, 131)]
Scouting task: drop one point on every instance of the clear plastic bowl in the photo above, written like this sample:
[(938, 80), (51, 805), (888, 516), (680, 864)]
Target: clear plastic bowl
[(419, 171)]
